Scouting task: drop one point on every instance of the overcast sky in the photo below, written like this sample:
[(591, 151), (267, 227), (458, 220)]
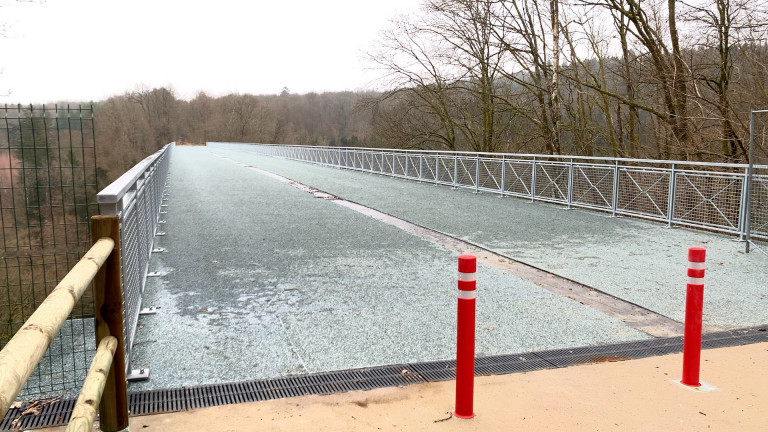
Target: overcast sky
[(83, 50)]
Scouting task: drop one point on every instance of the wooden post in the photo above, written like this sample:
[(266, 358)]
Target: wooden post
[(108, 311), (85, 410)]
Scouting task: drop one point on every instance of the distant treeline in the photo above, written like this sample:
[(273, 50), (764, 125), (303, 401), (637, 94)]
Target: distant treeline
[(131, 126)]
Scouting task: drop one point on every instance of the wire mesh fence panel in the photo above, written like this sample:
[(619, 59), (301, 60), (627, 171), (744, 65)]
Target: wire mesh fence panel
[(490, 174), (466, 172), (643, 192), (517, 178), (759, 213), (389, 163), (552, 181), (428, 168), (375, 162), (332, 157), (593, 186), (708, 199), (446, 169), (412, 166), (363, 161), (47, 189), (399, 164)]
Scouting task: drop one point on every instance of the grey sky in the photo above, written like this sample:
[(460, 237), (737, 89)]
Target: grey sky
[(90, 49)]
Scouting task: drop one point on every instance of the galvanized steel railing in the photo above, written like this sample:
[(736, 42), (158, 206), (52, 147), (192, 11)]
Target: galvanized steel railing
[(136, 198), (698, 195)]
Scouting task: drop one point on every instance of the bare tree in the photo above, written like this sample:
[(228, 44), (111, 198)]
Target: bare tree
[(718, 29)]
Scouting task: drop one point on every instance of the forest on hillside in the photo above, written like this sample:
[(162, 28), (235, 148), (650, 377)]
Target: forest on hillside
[(131, 126)]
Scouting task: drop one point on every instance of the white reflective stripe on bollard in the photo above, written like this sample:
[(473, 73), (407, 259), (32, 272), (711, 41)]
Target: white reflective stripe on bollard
[(696, 265), (467, 294), (695, 281), (466, 277)]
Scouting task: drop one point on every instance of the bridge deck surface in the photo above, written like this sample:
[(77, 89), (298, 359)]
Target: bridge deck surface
[(261, 279)]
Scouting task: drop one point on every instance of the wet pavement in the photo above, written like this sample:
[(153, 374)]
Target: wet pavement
[(261, 279), (639, 261)]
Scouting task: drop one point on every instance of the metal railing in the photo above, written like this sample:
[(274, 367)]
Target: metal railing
[(758, 214), (104, 387), (136, 198), (702, 195)]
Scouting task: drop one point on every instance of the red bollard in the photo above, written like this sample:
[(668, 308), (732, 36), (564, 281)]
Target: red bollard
[(465, 338), (694, 305)]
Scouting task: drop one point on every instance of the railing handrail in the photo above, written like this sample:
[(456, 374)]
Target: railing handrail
[(118, 189), (526, 156), (23, 352)]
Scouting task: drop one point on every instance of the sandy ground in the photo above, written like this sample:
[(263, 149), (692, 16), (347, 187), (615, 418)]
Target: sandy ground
[(637, 395)]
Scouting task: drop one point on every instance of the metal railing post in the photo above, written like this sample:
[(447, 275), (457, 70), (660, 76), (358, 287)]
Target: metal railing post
[(533, 180), (671, 197), (570, 184), (477, 174), (743, 207), (421, 167), (615, 197), (108, 311), (437, 169), (503, 177), (405, 173), (455, 171)]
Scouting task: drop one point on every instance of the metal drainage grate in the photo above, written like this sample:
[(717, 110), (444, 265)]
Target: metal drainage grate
[(186, 398), (55, 414)]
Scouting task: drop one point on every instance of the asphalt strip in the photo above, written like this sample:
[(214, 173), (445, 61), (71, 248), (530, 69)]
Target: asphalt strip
[(631, 314)]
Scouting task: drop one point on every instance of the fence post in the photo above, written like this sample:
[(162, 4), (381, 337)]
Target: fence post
[(421, 167), (743, 207), (406, 166), (477, 174), (615, 198), (108, 311), (533, 180), (503, 176), (671, 197), (570, 184), (455, 171)]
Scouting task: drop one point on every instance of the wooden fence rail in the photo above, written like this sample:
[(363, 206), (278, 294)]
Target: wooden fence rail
[(84, 412), (105, 385)]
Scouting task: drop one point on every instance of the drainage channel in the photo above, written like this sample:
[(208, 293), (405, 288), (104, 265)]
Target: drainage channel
[(629, 313), (324, 383)]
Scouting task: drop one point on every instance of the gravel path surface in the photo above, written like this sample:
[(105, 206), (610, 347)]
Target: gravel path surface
[(261, 279), (639, 261)]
